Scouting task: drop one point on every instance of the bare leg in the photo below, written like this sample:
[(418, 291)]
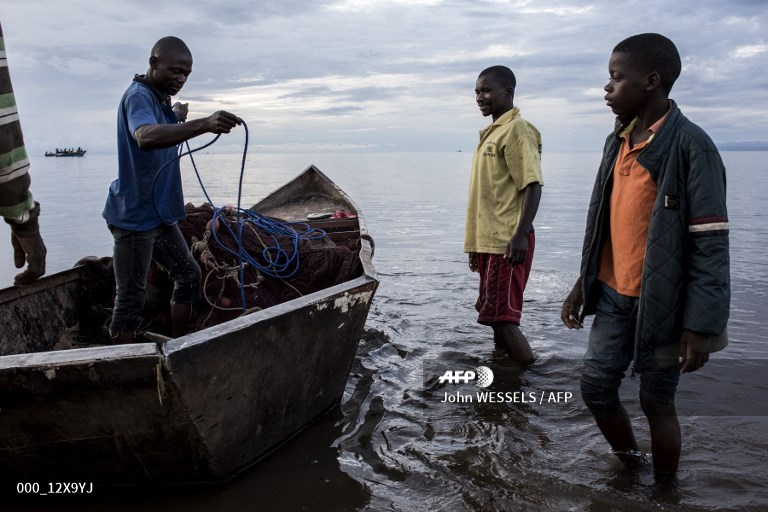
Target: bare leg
[(508, 336), (180, 314), (618, 432), (665, 436)]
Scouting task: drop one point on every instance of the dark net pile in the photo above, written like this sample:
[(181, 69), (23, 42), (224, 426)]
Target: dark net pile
[(322, 264)]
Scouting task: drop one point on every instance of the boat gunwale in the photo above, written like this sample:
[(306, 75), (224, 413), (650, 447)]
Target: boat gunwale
[(16, 292), (77, 355), (244, 322)]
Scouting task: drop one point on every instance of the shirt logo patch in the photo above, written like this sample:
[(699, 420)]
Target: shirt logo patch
[(490, 150)]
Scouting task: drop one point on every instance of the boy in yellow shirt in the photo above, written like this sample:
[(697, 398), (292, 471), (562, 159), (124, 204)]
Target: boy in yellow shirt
[(504, 193)]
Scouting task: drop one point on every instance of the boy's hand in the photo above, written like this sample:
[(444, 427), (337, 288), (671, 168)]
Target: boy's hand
[(473, 261), (694, 351), (572, 307), (517, 249)]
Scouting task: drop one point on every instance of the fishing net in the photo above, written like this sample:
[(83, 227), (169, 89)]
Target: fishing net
[(321, 264), (318, 264)]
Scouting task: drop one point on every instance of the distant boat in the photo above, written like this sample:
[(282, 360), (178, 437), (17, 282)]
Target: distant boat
[(66, 152)]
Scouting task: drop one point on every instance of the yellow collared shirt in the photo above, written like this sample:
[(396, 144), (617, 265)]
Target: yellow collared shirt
[(507, 160)]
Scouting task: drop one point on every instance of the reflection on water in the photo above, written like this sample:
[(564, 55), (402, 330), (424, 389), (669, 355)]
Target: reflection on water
[(392, 445)]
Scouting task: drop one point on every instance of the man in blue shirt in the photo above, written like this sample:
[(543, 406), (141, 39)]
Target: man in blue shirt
[(146, 201)]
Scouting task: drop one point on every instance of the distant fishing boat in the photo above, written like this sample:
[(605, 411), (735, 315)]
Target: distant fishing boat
[(66, 152)]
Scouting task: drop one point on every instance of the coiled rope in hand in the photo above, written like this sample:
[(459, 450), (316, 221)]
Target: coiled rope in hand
[(278, 262)]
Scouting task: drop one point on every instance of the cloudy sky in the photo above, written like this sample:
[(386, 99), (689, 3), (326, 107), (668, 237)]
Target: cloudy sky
[(378, 75)]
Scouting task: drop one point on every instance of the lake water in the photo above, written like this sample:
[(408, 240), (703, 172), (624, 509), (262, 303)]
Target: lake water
[(393, 445)]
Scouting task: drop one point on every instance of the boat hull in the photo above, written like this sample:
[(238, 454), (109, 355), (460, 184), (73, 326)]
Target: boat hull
[(200, 408)]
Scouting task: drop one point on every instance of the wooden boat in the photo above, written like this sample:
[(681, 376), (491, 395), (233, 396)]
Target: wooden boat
[(199, 408), (66, 152)]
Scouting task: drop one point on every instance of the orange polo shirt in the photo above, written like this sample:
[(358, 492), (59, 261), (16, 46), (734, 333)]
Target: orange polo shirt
[(634, 192)]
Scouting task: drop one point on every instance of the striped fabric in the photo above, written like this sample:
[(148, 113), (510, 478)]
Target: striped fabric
[(15, 198), (708, 226)]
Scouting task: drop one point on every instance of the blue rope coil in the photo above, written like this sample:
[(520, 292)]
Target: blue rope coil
[(279, 263)]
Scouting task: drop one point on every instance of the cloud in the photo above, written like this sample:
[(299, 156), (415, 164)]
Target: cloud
[(385, 74), (368, 5), (338, 111), (77, 66), (751, 50), (494, 51)]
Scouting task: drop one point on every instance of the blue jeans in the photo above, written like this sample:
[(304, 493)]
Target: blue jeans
[(133, 253), (609, 354)]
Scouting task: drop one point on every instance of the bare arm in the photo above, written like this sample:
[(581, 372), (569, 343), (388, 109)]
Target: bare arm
[(517, 248), (155, 136)]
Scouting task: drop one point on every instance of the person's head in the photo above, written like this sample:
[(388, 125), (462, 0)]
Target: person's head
[(169, 65), (642, 68), (495, 91)]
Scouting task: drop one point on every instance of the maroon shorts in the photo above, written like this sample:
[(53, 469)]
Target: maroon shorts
[(502, 286)]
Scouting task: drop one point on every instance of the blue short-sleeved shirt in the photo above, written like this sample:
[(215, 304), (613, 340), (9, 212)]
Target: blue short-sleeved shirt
[(137, 201)]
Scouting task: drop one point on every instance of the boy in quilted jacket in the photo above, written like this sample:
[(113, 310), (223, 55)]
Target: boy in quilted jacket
[(655, 263)]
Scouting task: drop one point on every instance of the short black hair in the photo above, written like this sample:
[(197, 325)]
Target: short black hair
[(501, 74), (170, 44), (653, 52)]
